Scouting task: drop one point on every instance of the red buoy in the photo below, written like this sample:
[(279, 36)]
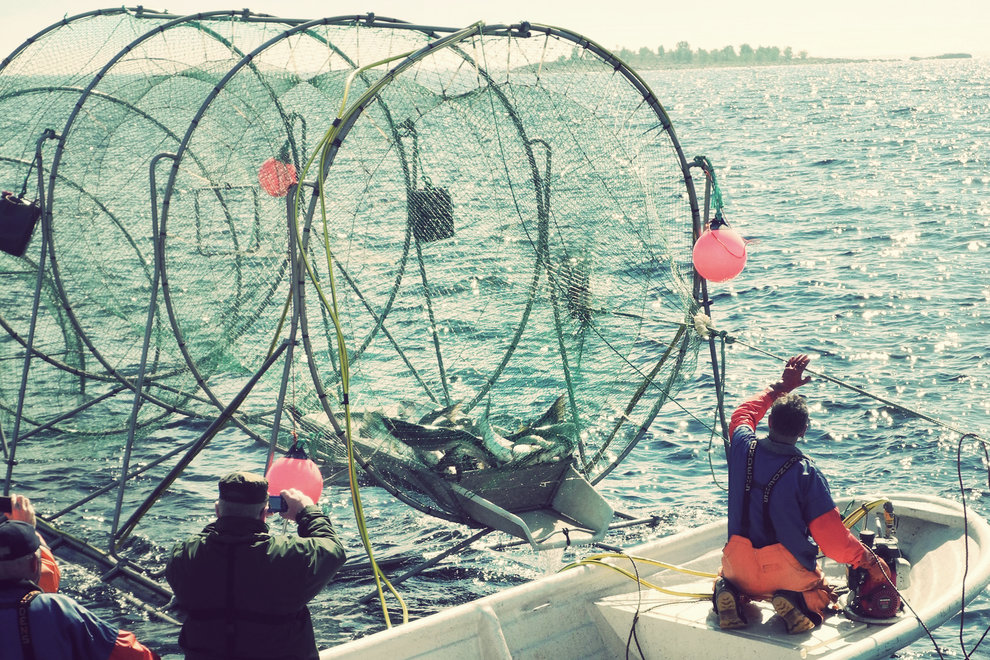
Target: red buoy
[(295, 470), (275, 177), (720, 253)]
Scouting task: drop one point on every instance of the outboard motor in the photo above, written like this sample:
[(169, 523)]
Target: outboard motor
[(879, 599)]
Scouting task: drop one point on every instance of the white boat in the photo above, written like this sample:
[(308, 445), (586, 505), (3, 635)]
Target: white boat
[(592, 611)]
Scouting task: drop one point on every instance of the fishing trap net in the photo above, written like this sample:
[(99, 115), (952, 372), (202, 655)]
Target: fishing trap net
[(467, 251)]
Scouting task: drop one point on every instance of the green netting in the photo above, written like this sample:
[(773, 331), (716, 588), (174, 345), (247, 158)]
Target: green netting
[(39, 88), (506, 213)]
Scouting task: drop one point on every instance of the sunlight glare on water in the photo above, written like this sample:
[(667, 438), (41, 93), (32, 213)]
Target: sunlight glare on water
[(864, 189)]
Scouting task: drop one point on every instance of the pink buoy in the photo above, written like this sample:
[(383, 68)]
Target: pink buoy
[(275, 177), (295, 470), (719, 254)]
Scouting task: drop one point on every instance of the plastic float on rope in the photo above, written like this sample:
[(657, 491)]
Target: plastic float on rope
[(295, 470), (720, 252), (276, 177)]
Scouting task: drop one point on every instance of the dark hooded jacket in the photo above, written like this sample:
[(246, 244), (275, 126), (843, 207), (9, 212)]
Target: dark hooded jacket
[(245, 591)]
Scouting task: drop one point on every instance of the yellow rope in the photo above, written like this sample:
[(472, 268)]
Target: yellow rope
[(596, 560), (333, 310), (331, 305), (862, 512)]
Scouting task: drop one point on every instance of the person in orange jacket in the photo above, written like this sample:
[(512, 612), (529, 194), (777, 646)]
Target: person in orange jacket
[(22, 509), (35, 624), (780, 513)]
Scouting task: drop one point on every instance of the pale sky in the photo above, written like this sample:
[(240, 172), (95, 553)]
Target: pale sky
[(834, 28)]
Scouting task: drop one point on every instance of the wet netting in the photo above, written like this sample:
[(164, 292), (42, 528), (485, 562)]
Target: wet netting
[(456, 252)]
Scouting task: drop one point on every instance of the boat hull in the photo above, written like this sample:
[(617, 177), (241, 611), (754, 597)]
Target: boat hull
[(591, 611)]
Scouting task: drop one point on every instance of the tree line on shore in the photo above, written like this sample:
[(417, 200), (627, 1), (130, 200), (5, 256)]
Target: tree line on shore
[(683, 55)]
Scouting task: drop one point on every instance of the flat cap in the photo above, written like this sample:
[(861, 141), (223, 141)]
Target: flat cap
[(244, 487), (17, 539)]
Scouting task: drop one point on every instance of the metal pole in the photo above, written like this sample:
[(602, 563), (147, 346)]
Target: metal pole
[(149, 324), (29, 348), (198, 446), (296, 280), (419, 568), (75, 411), (144, 468), (701, 285)]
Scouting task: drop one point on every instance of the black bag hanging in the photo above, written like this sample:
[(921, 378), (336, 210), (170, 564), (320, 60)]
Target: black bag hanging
[(18, 217), (431, 213), (17, 221), (429, 209)]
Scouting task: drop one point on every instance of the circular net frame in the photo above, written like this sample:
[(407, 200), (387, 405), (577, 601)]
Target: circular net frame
[(505, 213), (508, 225)]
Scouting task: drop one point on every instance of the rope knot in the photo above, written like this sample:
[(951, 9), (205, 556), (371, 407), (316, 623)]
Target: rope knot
[(704, 327)]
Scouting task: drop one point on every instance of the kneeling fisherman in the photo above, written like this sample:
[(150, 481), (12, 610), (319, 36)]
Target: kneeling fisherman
[(780, 513)]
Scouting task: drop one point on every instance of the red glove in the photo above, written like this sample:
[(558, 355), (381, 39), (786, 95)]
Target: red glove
[(878, 570)]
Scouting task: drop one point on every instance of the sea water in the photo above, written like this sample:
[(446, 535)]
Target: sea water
[(865, 190)]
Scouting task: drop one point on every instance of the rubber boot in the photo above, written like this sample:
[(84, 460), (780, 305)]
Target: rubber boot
[(789, 606), (727, 603)]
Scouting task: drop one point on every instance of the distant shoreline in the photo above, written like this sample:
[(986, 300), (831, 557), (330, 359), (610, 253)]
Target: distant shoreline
[(721, 65), (645, 60), (804, 61), (946, 56)]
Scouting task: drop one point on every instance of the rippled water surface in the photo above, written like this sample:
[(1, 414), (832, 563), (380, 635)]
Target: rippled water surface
[(865, 189)]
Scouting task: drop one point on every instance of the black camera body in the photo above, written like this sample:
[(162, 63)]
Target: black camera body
[(276, 504)]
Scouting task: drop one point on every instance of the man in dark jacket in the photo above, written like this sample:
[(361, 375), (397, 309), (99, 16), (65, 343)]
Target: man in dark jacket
[(244, 590)]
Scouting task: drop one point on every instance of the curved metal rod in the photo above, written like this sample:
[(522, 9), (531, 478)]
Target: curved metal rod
[(45, 232), (72, 19), (139, 384), (348, 118), (246, 61)]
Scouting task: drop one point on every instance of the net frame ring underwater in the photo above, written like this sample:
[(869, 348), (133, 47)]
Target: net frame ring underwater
[(482, 270)]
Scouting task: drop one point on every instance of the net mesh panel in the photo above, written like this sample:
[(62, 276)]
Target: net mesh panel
[(550, 275), (226, 259), (508, 224), (140, 81), (39, 87)]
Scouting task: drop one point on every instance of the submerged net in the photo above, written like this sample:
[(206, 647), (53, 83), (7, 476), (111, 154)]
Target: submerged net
[(499, 219)]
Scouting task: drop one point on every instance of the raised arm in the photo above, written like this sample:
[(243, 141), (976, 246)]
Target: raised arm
[(752, 411)]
